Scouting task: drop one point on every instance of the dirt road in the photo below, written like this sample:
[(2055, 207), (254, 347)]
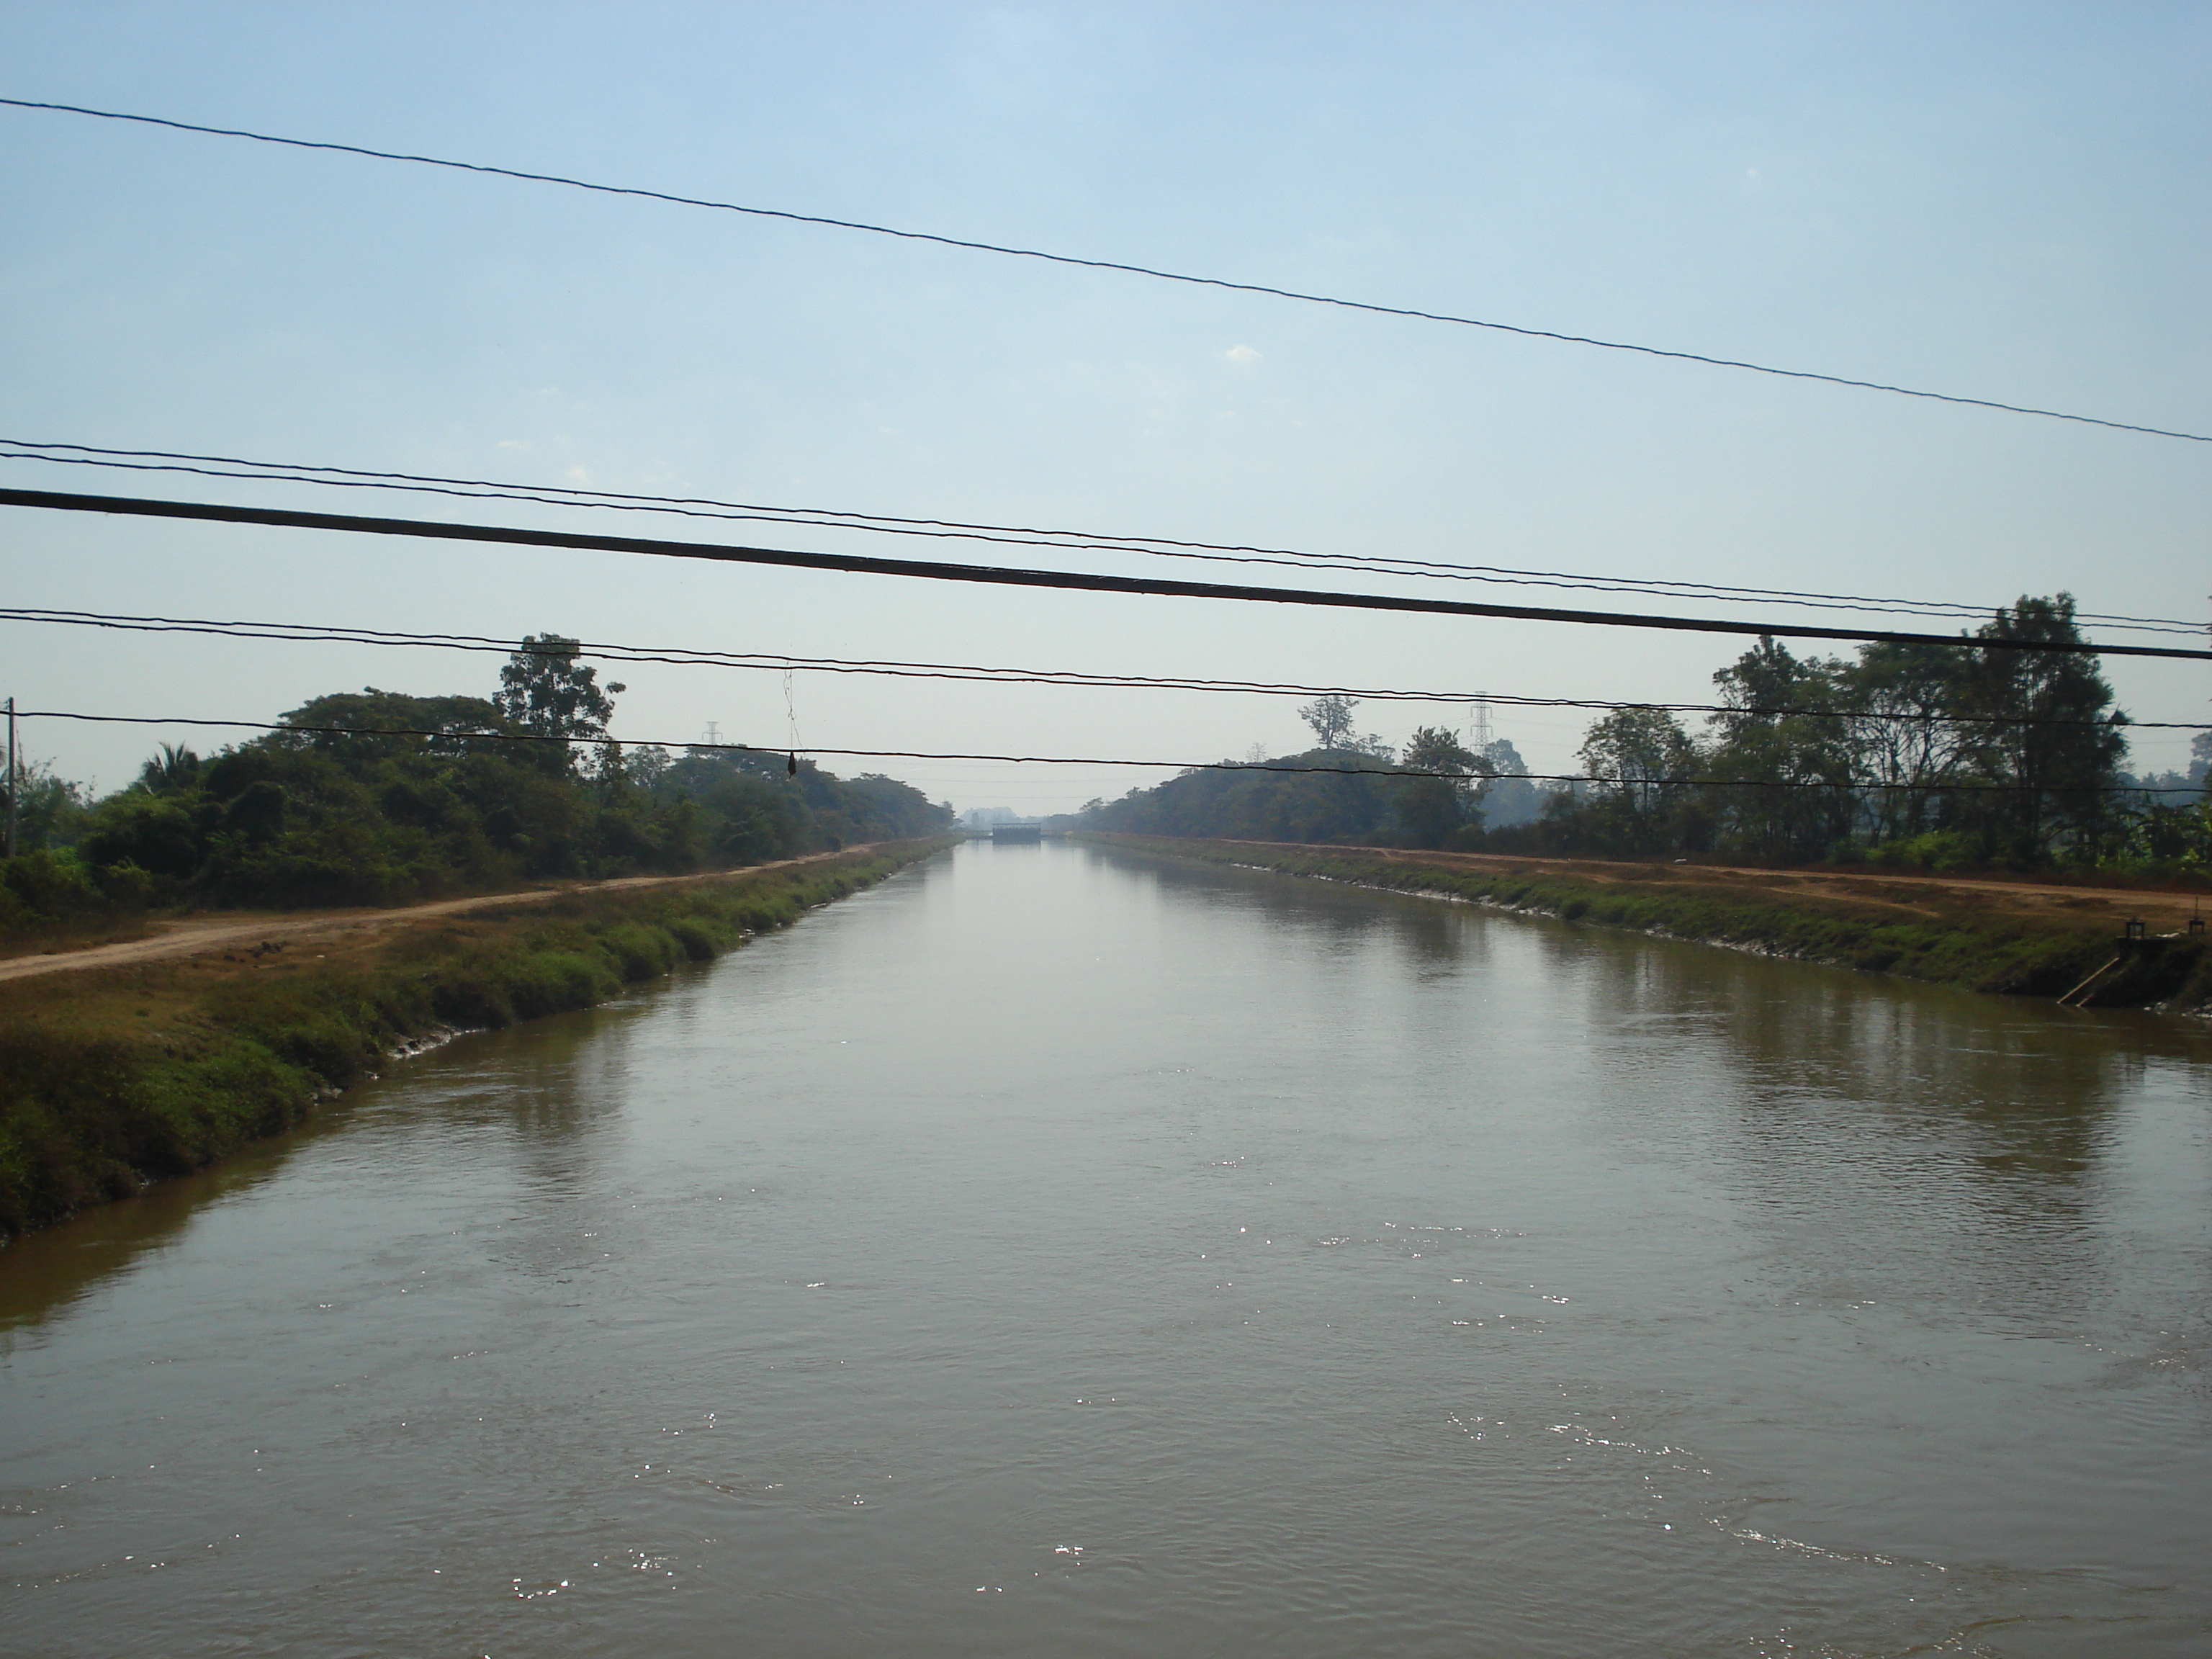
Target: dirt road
[(231, 930), (1928, 896)]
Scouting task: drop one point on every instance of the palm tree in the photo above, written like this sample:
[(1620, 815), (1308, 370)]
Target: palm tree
[(175, 768)]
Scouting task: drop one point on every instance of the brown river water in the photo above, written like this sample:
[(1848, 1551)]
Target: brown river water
[(1053, 1252)]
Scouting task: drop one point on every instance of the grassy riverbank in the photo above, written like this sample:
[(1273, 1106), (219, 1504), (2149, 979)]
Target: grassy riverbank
[(1946, 933), (110, 1078)]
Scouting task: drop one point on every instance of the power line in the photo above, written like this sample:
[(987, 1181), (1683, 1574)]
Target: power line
[(1374, 770), (1080, 581), (1101, 264), (311, 633), (226, 466)]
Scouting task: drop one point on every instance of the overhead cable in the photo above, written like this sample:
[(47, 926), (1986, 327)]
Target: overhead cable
[(1375, 769), (311, 633), (225, 466), (1126, 268), (1080, 581)]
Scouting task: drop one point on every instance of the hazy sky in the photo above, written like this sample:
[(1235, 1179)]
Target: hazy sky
[(2006, 201)]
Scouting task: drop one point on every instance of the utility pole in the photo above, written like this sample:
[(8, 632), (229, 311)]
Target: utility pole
[(14, 777)]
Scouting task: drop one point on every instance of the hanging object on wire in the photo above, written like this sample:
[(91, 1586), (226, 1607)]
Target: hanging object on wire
[(791, 719)]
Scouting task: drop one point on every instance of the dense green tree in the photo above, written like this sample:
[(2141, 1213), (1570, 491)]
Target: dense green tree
[(1432, 810), (1637, 760), (545, 691), (1781, 761), (2053, 742), (164, 836), (1323, 795), (369, 725), (1949, 755), (1434, 749), (377, 797), (50, 811), (1900, 700)]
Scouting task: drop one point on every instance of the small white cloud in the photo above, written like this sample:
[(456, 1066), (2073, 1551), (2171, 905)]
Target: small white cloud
[(511, 443), (1242, 353), (577, 474)]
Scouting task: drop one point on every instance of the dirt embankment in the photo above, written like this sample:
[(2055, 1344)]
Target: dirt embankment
[(327, 933), (2077, 943), (1927, 895)]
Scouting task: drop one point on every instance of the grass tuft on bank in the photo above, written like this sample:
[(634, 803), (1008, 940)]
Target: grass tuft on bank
[(112, 1079)]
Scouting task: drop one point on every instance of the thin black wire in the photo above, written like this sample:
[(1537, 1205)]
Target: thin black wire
[(771, 755), (150, 460), (1073, 580), (316, 633), (1101, 264)]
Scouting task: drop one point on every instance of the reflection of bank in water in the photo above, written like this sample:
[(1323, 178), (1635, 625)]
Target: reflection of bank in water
[(2012, 939), (1017, 835)]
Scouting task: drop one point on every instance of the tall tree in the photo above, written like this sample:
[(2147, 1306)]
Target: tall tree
[(1330, 717), (1432, 749), (1633, 755), (1905, 739), (1431, 808), (545, 690), (1788, 760), (2053, 740), (1638, 760), (1331, 720)]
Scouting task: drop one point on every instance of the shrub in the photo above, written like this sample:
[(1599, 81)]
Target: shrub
[(701, 942), (641, 950), (53, 885)]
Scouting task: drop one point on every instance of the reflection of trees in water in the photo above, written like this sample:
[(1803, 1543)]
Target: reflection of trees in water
[(2034, 1090), (1898, 1137), (1331, 916)]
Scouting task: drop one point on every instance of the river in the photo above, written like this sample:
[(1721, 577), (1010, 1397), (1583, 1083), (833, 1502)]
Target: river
[(1055, 1252)]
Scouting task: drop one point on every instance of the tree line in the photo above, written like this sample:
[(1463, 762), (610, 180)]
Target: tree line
[(1977, 754), (380, 797)]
